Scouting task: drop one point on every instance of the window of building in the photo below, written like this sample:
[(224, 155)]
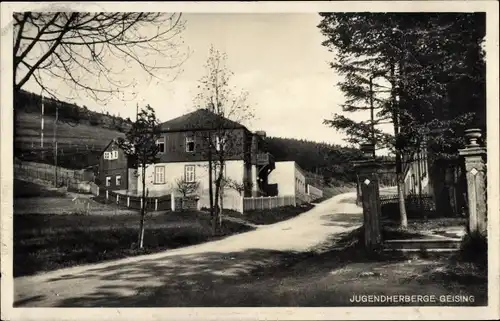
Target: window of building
[(189, 144), (118, 180), (189, 174), (108, 180), (160, 175), (111, 155), (219, 143), (161, 145)]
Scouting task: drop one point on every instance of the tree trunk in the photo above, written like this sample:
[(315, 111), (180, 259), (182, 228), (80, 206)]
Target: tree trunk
[(220, 188), (218, 184), (210, 184), (399, 163), (143, 208), (221, 208), (401, 195), (216, 202)]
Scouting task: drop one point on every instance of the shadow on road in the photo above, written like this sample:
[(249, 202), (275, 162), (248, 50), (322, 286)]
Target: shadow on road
[(325, 276), (206, 279)]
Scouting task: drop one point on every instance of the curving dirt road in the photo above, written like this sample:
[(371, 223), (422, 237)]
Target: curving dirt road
[(201, 270)]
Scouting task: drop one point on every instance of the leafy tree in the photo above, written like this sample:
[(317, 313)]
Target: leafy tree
[(218, 98), (419, 61), (140, 144)]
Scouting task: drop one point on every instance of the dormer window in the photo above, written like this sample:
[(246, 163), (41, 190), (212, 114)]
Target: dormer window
[(189, 144), (160, 142), (111, 155), (219, 143)]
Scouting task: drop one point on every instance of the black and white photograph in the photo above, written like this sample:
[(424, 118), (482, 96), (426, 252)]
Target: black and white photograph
[(255, 157)]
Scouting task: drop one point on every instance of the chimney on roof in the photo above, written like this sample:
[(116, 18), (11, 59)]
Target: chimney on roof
[(260, 133)]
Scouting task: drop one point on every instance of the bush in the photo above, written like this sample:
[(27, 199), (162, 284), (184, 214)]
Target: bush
[(274, 215), (474, 249), (94, 121), (390, 208)]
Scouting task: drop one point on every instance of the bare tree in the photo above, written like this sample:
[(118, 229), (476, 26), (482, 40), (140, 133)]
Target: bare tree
[(186, 188), (230, 109), (84, 49), (240, 187)]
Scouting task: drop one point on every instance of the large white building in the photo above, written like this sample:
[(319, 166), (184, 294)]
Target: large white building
[(185, 144)]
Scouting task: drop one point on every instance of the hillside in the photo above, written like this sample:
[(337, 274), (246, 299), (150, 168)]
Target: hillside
[(78, 145), (82, 134), (333, 162)]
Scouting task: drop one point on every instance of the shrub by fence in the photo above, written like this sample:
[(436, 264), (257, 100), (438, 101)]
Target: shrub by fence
[(416, 206)]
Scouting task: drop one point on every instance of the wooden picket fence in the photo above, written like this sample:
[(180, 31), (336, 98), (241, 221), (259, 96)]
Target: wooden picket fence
[(162, 203), (169, 202), (267, 202)]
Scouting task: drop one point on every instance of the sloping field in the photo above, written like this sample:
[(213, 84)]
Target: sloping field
[(68, 135), (79, 145)]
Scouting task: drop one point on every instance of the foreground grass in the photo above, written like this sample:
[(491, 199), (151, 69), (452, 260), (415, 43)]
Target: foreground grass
[(419, 228), (263, 278), (49, 242), (25, 189), (333, 277)]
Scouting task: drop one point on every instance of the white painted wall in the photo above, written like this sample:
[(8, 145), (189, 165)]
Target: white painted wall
[(175, 171), (289, 178)]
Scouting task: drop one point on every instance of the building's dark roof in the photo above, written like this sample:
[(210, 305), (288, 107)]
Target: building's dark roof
[(201, 119)]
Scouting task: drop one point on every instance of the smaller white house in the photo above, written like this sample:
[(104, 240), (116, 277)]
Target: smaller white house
[(290, 178)]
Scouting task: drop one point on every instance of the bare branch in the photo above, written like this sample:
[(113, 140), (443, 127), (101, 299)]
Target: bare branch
[(83, 47)]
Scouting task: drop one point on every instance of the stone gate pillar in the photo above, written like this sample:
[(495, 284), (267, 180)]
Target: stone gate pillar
[(475, 166), (370, 198)]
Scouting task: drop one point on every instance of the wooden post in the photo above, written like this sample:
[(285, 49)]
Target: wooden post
[(107, 194), (172, 202), (117, 199), (475, 166), (370, 199), (156, 204), (141, 203), (128, 201)]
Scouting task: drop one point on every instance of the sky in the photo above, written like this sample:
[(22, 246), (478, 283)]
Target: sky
[(277, 58)]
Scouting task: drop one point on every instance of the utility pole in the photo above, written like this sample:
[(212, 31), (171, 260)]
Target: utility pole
[(55, 145)]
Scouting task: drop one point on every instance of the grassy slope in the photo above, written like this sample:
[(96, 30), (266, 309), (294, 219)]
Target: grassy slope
[(68, 136), (78, 146)]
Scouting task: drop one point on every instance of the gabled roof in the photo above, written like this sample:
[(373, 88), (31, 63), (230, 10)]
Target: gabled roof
[(201, 119), (113, 141)]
